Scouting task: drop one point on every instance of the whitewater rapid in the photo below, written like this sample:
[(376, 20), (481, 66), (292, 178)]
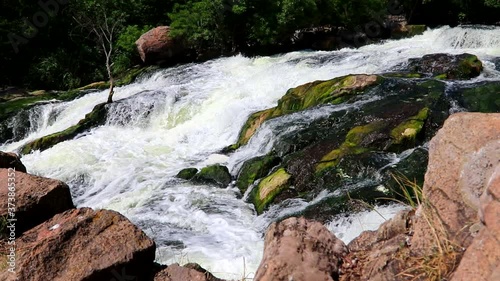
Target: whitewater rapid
[(183, 116)]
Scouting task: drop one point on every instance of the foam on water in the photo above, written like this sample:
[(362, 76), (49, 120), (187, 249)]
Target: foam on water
[(182, 117)]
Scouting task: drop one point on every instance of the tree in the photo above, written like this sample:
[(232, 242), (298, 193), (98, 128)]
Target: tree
[(103, 20)]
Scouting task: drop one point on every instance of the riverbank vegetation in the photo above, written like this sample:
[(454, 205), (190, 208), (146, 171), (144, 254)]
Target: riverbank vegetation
[(44, 46)]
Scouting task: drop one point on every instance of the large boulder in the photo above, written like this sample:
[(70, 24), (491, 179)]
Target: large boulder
[(37, 199), (157, 46), (462, 157), (83, 244), (11, 160), (298, 249), (445, 66), (481, 261), (191, 272)]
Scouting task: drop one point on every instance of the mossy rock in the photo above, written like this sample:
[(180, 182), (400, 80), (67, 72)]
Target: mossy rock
[(446, 66), (483, 97), (255, 169), (95, 118), (214, 174), (335, 91), (408, 31), (187, 173), (269, 188), (356, 142), (409, 75), (408, 130)]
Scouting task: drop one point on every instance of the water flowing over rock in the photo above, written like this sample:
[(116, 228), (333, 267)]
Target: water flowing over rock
[(462, 156), (300, 250), (83, 244), (37, 199), (156, 46), (444, 66), (11, 160)]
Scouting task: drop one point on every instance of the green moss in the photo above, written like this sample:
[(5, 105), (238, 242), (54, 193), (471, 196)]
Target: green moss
[(269, 188), (187, 173), (417, 29), (443, 76), (409, 129), (354, 144), (214, 174), (255, 169), (95, 118)]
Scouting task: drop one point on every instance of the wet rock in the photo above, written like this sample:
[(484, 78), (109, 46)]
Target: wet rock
[(83, 244), (11, 160), (298, 249), (406, 31), (356, 143), (191, 272), (93, 119), (37, 199), (215, 174), (254, 169), (268, 188), (187, 173), (156, 46), (480, 97), (445, 66), (462, 156), (335, 91)]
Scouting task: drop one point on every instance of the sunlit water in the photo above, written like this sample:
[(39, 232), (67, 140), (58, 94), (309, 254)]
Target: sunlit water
[(181, 117)]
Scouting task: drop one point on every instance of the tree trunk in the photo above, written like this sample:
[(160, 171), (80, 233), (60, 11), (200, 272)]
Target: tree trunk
[(111, 79)]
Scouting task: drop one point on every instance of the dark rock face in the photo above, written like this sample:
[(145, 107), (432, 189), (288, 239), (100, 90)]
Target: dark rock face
[(37, 199), (445, 66), (11, 160), (300, 250), (156, 46), (83, 244), (215, 174)]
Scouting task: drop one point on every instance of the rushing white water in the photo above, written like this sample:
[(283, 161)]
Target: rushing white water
[(181, 117)]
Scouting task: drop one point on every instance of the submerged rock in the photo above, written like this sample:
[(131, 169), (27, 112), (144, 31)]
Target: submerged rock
[(215, 174), (187, 174), (11, 160), (300, 250), (483, 97), (93, 119), (37, 199), (83, 244), (445, 66)]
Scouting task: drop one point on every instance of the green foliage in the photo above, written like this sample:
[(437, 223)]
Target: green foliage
[(126, 55)]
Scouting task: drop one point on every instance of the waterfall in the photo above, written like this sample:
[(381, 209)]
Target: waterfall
[(183, 116)]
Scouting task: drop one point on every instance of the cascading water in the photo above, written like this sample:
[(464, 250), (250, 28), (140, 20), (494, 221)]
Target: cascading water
[(181, 117)]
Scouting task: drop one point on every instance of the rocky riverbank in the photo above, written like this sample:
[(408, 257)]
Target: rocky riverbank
[(453, 232)]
